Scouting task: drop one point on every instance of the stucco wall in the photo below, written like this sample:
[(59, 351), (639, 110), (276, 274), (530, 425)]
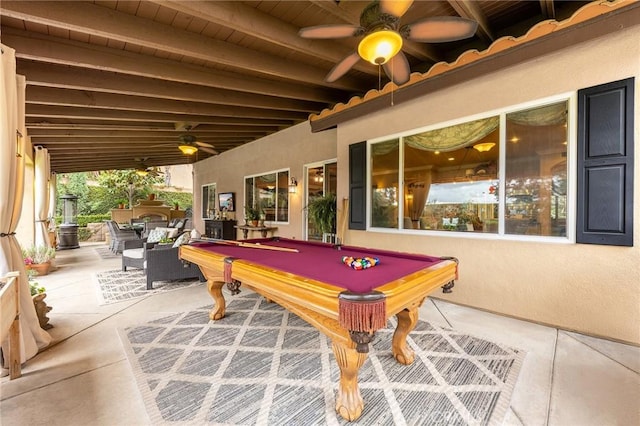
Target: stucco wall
[(588, 288), (291, 148)]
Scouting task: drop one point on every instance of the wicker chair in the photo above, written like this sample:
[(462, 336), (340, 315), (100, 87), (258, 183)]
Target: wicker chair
[(163, 264), (134, 253), (119, 236), (153, 224)]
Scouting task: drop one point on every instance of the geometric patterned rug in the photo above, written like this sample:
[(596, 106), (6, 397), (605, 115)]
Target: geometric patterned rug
[(117, 286), (262, 365)]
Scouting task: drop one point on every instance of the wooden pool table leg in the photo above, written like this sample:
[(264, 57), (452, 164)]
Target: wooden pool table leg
[(349, 403), (407, 320), (220, 305)]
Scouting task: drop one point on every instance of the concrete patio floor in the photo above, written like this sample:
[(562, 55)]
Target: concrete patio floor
[(84, 378)]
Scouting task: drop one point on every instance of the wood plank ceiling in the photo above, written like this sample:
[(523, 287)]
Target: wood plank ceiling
[(113, 84)]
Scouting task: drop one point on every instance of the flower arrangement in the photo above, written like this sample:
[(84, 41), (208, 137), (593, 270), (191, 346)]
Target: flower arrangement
[(38, 254)]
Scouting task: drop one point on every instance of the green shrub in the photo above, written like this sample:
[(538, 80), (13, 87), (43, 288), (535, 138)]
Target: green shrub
[(83, 220)]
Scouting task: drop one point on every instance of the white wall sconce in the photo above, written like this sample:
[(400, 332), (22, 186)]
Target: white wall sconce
[(293, 186)]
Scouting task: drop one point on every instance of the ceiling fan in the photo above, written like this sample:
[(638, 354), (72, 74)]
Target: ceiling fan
[(144, 170), (383, 35), (189, 145)]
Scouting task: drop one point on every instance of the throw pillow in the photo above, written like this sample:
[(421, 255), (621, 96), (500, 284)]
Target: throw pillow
[(171, 232), (156, 235), (182, 239)]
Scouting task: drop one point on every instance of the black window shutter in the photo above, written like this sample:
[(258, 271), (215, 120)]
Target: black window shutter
[(605, 164), (357, 186)]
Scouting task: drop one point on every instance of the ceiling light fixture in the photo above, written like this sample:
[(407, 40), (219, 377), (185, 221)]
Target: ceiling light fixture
[(380, 46), (141, 172), (188, 149), (484, 147)]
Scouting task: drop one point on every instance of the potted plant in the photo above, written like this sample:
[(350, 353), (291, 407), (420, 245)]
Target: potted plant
[(38, 258), (252, 215), (38, 295), (323, 213)]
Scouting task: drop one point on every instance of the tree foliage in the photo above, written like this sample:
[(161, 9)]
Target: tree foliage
[(126, 185), (113, 188)]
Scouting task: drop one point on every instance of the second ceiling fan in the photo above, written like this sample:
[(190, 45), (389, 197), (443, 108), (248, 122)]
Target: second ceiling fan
[(383, 35)]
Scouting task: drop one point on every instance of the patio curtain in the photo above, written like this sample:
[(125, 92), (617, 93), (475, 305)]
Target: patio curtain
[(53, 195), (41, 188), (12, 160)]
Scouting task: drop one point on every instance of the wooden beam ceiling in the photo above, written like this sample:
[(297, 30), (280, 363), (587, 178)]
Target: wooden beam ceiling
[(108, 82)]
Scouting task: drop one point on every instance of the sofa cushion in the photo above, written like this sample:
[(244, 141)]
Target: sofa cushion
[(134, 253), (171, 232), (182, 239), (156, 235)]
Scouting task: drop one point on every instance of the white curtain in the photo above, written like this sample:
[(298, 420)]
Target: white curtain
[(12, 100), (53, 198), (41, 189)]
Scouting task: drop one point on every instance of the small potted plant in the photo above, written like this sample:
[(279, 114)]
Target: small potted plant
[(38, 295), (38, 258), (252, 215)]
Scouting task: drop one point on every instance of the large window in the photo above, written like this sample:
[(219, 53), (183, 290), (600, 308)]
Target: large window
[(269, 193), (449, 179)]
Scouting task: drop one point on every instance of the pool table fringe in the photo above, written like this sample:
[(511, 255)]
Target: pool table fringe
[(362, 312)]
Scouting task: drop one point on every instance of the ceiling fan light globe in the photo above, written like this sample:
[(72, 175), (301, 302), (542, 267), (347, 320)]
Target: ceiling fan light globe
[(188, 149), (380, 46)]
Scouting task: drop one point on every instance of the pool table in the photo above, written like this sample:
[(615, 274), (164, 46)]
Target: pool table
[(311, 280)]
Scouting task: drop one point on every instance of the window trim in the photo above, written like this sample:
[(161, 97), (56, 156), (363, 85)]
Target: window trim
[(569, 238)]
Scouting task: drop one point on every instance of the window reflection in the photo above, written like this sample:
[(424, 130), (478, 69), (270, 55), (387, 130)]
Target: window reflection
[(536, 171), (384, 181), (450, 177)]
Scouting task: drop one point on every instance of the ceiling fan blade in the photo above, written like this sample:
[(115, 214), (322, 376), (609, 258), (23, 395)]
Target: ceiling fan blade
[(439, 29), (395, 7), (342, 67), (397, 69), (209, 150), (329, 31), (204, 144)]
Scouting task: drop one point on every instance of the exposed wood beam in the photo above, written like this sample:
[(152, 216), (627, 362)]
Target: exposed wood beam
[(64, 123), (67, 97), (248, 20), (105, 22), (471, 10), (62, 142), (142, 133), (35, 110), (67, 77), (548, 9), (54, 50)]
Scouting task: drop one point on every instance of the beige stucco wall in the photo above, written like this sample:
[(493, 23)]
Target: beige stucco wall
[(589, 288), (289, 149)]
